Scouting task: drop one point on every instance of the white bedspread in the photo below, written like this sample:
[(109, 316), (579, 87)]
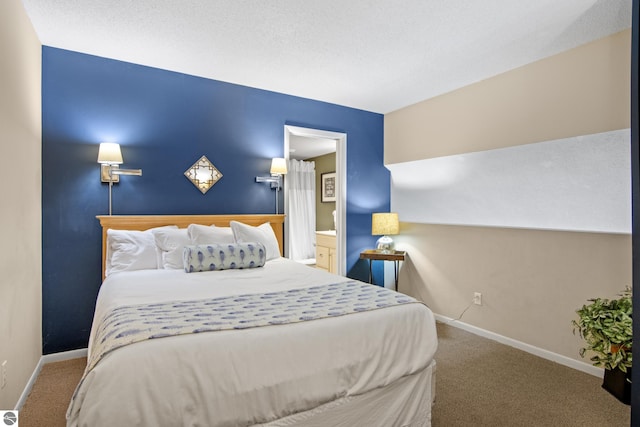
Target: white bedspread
[(249, 376)]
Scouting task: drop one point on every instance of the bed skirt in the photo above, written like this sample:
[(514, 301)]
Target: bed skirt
[(405, 403)]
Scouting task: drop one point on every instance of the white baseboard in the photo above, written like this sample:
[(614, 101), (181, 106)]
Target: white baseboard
[(65, 355), (29, 386), (48, 358), (537, 351)]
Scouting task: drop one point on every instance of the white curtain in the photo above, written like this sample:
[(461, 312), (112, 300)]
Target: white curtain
[(302, 209)]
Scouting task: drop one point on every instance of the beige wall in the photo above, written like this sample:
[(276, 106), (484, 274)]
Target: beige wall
[(532, 281), (20, 214), (579, 92), (324, 216)]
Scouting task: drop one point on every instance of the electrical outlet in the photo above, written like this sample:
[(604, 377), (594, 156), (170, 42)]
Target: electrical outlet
[(477, 298), (3, 375)]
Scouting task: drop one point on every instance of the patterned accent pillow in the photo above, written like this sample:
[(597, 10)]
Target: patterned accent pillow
[(223, 256)]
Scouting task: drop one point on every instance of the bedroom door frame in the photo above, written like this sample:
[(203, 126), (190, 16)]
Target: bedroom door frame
[(341, 188), (635, 194)]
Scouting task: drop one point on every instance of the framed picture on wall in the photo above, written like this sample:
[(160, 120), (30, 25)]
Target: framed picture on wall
[(328, 181)]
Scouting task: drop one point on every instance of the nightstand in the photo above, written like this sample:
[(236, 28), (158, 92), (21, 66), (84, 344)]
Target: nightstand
[(374, 255)]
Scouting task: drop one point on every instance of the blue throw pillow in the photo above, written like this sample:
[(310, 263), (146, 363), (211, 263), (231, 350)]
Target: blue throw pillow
[(223, 256)]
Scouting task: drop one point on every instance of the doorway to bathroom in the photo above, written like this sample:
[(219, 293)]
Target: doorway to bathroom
[(324, 153)]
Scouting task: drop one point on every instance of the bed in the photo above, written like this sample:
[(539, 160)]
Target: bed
[(276, 344)]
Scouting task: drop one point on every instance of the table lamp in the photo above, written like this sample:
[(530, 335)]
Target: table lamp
[(385, 224)]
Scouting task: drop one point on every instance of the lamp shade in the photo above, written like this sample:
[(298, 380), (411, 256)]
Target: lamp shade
[(109, 153), (278, 166), (385, 224)]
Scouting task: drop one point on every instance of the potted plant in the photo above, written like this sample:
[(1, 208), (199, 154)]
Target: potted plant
[(607, 327)]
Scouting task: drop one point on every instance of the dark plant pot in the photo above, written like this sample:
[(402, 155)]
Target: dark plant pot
[(615, 382)]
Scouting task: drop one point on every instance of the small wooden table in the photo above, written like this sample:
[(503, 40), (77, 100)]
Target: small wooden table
[(373, 255)]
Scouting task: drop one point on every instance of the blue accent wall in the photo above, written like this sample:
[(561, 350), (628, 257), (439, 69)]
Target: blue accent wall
[(164, 121)]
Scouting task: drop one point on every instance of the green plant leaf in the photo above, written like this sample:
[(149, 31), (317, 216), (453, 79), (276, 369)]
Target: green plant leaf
[(604, 324)]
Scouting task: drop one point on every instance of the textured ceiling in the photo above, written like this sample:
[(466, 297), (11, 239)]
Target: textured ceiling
[(375, 55)]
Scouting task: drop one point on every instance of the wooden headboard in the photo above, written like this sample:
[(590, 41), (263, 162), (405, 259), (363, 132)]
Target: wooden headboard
[(144, 222)]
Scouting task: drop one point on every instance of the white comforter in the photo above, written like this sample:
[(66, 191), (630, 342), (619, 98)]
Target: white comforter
[(250, 376)]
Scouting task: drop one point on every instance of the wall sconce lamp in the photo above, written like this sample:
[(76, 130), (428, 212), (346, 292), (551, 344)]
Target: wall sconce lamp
[(110, 159), (278, 170), (386, 224)]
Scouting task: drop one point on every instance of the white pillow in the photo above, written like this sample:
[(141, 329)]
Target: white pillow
[(204, 235), (129, 250), (171, 243), (264, 234)]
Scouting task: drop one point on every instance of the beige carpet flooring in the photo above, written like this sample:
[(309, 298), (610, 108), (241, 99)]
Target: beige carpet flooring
[(47, 403), (478, 383)]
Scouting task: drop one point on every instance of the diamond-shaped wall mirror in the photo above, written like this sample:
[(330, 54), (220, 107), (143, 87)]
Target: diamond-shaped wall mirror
[(203, 174)]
